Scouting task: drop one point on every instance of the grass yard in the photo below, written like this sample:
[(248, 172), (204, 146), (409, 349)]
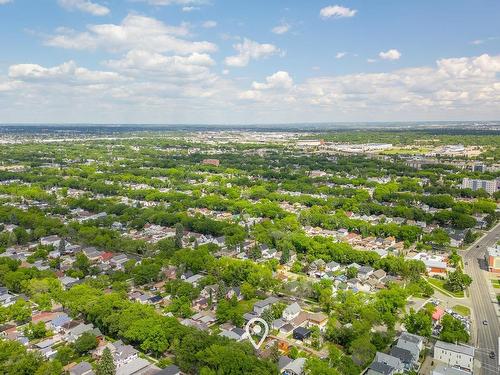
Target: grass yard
[(496, 284), (462, 310), (439, 284)]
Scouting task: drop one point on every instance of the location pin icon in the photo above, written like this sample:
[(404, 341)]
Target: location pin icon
[(256, 330)]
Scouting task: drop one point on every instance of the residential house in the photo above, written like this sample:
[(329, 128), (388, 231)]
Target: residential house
[(235, 333), (92, 253), (296, 367), (317, 268), (386, 364), (50, 241), (364, 272), (170, 370), (291, 311), (74, 333), (332, 267), (260, 306), (301, 333), (67, 282), (83, 368), (195, 279)]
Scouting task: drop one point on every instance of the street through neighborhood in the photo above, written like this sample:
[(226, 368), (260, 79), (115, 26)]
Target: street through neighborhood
[(484, 304)]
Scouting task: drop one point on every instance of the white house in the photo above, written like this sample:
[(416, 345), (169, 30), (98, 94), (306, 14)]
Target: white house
[(461, 356), (291, 311)]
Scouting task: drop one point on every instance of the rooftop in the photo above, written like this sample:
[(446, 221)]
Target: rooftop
[(462, 349)]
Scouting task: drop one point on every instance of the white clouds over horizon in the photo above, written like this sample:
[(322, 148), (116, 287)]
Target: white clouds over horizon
[(146, 83)]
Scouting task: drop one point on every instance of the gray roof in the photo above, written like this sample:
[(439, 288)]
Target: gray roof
[(388, 360), (381, 368), (461, 349), (296, 367), (284, 361), (442, 369), (403, 354), (170, 370), (81, 368), (132, 367), (266, 302), (406, 336), (292, 308)]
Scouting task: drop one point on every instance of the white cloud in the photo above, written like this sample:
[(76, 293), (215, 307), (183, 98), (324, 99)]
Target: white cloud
[(281, 29), (67, 72), (477, 42), (190, 9), (135, 32), (2, 2), (85, 6), (371, 61), (340, 55), (147, 64), (172, 2), (336, 11), (150, 86), (279, 80), (250, 50), (392, 54), (209, 24)]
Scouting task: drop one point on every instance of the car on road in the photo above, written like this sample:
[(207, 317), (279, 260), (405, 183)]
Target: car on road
[(485, 322), (492, 355), (477, 246), (466, 263)]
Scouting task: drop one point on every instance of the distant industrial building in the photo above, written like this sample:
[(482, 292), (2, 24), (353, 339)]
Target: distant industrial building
[(493, 258), (491, 186)]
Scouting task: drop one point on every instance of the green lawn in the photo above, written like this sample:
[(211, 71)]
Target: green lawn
[(462, 310), (496, 284), (439, 284), (246, 306)]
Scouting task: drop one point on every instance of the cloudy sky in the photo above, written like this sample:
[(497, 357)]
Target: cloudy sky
[(242, 61)]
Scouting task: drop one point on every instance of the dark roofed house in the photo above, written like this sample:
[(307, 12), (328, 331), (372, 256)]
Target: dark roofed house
[(405, 356), (301, 333), (379, 368)]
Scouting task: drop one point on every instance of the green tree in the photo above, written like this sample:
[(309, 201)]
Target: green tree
[(419, 323), (65, 354), (179, 234), (316, 366), (35, 331), (351, 272), (453, 330), (82, 263), (85, 343), (20, 311), (106, 365), (457, 281)]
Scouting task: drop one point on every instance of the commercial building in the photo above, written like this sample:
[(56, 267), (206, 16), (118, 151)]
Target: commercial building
[(491, 186), (459, 356), (493, 258)]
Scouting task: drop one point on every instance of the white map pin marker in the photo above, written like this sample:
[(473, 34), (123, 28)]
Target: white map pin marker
[(256, 330)]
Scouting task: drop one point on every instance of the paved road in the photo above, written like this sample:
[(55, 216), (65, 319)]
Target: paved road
[(483, 303)]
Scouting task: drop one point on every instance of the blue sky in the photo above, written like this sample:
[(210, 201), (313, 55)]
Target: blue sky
[(214, 61)]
